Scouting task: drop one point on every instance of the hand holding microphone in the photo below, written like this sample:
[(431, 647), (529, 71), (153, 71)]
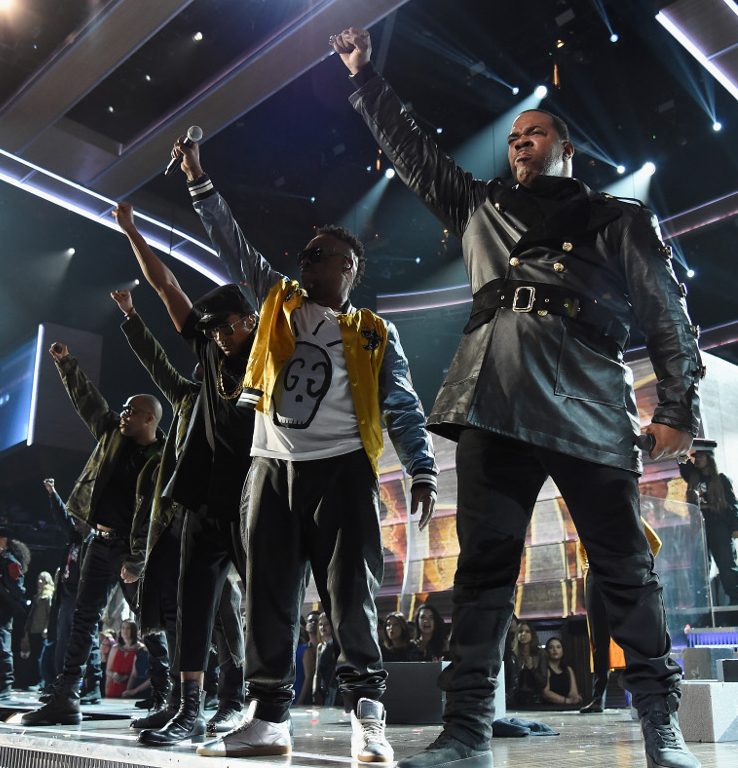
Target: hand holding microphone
[(194, 135)]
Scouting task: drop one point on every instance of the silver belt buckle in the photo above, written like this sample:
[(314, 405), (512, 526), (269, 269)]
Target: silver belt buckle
[(531, 298)]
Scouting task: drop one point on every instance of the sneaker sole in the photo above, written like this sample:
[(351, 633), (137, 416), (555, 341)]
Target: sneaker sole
[(651, 764), (373, 758), (262, 751)]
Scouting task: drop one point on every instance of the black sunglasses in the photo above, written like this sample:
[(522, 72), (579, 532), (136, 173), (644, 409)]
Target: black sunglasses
[(317, 254), (227, 329)]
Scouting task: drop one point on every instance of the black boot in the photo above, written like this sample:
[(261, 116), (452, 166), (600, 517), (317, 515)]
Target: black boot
[(448, 752), (62, 709), (664, 743), (597, 704), (186, 724), (161, 714)]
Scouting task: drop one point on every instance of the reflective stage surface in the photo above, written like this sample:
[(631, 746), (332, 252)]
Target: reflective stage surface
[(321, 738)]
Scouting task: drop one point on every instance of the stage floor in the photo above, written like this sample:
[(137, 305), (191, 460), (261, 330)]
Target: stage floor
[(321, 738)]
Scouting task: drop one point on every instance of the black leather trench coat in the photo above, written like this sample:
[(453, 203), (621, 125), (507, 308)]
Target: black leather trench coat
[(547, 380)]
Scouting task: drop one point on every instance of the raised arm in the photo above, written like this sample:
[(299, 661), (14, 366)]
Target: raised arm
[(244, 264), (91, 406), (159, 276), (147, 349), (451, 194)]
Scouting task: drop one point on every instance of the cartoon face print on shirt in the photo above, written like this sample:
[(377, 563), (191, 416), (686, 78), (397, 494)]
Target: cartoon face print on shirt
[(306, 377)]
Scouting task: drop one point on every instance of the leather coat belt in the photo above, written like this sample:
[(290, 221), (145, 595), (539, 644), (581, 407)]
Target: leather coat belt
[(543, 299)]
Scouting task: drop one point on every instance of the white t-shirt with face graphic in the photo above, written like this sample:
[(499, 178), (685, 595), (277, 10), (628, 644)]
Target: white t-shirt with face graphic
[(312, 413)]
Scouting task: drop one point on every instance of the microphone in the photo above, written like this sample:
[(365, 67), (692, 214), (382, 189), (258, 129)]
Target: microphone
[(194, 134), (646, 442)]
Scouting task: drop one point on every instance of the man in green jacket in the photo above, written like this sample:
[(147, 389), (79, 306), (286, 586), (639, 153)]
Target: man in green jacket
[(112, 495)]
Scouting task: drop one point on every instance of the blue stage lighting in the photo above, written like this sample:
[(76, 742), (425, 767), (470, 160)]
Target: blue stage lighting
[(717, 126), (515, 90), (649, 168), (540, 92), (690, 273), (620, 169), (389, 173), (614, 37)]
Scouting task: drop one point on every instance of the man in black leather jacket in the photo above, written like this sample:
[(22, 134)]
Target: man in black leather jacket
[(538, 388)]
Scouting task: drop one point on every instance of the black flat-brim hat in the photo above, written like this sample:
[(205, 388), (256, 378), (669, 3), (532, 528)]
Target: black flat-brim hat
[(217, 305)]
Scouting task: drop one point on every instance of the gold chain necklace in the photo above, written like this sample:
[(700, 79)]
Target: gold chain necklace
[(221, 387)]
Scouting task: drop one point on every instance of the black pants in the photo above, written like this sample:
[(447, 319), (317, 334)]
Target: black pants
[(599, 635), (6, 653), (721, 545), (209, 547), (322, 513), (65, 614), (498, 482), (100, 572)]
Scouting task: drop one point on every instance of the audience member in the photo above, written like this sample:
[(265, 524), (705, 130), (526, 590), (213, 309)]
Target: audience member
[(325, 686), (397, 644), (37, 623), (309, 658), (139, 683), (432, 633), (561, 685), (531, 667), (121, 659), (12, 605)]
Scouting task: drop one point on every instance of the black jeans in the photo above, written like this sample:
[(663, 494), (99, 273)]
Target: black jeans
[(6, 653), (209, 547), (100, 572), (599, 634), (721, 545), (322, 513), (65, 614), (498, 482)]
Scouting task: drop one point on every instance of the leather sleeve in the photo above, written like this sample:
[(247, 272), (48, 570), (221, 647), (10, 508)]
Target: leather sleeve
[(451, 194), (661, 313), (403, 413), (91, 406)]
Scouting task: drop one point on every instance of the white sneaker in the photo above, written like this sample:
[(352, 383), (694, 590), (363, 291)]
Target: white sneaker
[(252, 738), (368, 742)]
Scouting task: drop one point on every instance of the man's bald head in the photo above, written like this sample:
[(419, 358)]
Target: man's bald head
[(139, 418)]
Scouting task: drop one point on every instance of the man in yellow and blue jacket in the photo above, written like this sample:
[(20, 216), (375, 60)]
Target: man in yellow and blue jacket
[(323, 377)]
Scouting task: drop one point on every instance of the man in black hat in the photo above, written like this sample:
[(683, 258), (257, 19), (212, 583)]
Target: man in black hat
[(210, 470), (713, 492)]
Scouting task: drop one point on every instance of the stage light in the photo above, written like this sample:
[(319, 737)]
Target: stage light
[(717, 126), (417, 259), (70, 252), (540, 92), (690, 273), (389, 173), (313, 199), (197, 37), (6, 5), (439, 130), (111, 109), (614, 37), (560, 43), (137, 282), (515, 90), (649, 168), (620, 169), (368, 169), (147, 78)]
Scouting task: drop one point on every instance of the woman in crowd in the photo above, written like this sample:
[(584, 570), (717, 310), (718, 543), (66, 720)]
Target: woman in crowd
[(325, 687), (121, 659), (307, 659), (561, 685), (37, 624), (397, 644), (530, 664), (432, 634)]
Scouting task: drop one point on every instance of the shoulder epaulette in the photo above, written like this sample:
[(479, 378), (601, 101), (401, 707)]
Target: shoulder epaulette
[(633, 200)]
